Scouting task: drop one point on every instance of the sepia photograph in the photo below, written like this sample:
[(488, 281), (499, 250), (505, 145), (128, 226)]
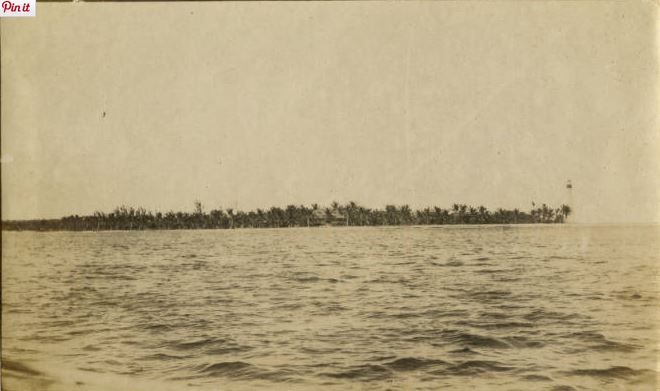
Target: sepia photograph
[(330, 195)]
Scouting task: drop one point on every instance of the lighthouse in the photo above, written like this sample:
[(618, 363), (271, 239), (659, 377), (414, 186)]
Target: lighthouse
[(569, 202)]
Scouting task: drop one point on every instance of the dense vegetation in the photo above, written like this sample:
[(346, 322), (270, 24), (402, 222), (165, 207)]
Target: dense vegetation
[(350, 214)]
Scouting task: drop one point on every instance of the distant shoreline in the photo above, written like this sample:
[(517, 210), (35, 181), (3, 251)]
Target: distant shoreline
[(126, 218)]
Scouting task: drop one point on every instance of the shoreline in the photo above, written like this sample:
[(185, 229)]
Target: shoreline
[(314, 215), (318, 227)]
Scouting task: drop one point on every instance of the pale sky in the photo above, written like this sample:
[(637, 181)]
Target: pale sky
[(245, 104)]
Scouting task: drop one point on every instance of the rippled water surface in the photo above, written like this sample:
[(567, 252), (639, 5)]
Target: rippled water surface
[(498, 308)]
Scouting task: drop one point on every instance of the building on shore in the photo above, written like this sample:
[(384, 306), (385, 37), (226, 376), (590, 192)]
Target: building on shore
[(327, 216)]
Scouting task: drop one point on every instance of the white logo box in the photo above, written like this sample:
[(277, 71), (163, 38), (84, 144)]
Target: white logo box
[(18, 8)]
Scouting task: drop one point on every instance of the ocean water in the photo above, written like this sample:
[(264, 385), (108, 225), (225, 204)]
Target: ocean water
[(552, 307)]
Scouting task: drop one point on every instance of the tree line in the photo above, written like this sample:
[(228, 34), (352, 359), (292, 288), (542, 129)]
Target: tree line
[(349, 214)]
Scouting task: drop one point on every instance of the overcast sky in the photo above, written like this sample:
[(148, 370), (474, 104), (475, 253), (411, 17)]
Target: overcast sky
[(242, 104)]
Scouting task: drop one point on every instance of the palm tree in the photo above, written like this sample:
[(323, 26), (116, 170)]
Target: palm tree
[(391, 217), (406, 214), (426, 213), (483, 214), (216, 216)]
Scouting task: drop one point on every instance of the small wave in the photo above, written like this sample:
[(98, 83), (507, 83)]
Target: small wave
[(47, 338), (81, 332), (317, 351), (60, 323), (598, 342), (228, 349), (165, 357), (226, 368), (110, 276), (436, 313), (306, 279), (412, 363), (158, 327), (489, 296), (507, 279), (523, 342), (404, 263), (288, 306), (539, 378), (91, 348), (463, 351), (386, 280), (18, 311), (405, 315), (18, 367), (618, 372), (495, 315), (474, 367), (494, 294), (363, 372), (89, 369), (195, 344), (475, 340), (562, 387), (105, 303), (492, 271), (495, 325), (540, 314), (18, 376), (240, 369)]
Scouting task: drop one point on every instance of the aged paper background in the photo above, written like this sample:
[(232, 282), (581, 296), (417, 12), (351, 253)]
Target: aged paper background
[(248, 105)]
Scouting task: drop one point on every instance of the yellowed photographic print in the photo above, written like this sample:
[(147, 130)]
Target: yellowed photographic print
[(362, 195)]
